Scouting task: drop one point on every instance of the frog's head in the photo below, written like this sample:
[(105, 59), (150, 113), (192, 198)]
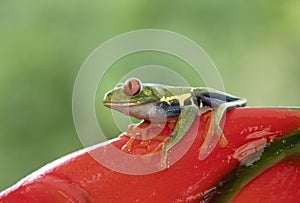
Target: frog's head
[(134, 98)]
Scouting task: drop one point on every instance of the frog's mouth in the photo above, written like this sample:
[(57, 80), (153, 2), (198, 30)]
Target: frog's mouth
[(139, 111)]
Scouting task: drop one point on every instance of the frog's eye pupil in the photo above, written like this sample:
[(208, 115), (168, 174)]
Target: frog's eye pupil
[(132, 87)]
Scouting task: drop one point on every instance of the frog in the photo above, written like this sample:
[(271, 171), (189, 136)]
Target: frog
[(160, 103)]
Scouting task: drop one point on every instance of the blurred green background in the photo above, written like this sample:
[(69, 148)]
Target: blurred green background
[(254, 44)]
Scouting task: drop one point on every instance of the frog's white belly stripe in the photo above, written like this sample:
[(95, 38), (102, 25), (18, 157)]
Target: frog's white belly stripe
[(148, 111)]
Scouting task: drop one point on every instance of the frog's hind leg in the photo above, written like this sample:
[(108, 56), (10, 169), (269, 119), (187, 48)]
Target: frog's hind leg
[(219, 109), (219, 113), (184, 122)]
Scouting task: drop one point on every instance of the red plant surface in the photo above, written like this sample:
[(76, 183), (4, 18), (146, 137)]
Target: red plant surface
[(78, 177)]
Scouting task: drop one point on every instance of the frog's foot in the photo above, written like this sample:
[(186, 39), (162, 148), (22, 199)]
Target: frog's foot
[(222, 141), (128, 145), (160, 148), (212, 135), (133, 131)]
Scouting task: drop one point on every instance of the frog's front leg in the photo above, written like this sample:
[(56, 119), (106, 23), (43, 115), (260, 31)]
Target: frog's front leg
[(184, 122)]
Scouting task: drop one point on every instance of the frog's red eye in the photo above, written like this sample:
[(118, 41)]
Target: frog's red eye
[(132, 87)]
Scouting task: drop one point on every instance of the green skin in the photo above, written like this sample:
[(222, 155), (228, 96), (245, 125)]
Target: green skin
[(158, 103)]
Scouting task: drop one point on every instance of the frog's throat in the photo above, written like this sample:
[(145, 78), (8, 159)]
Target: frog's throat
[(139, 111)]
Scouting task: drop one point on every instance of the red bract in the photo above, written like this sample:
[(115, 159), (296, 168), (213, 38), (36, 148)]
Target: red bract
[(279, 183), (250, 133)]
